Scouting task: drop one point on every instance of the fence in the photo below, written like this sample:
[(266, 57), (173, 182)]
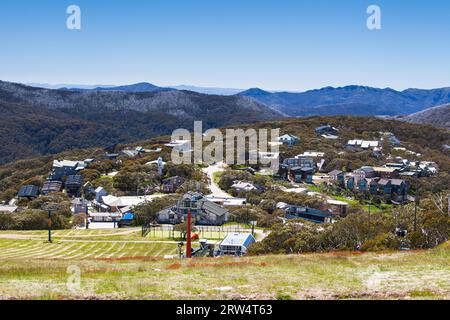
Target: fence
[(203, 232)]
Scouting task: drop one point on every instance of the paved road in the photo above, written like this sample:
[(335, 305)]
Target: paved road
[(215, 189)]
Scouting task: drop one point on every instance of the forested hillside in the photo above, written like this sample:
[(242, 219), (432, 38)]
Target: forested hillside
[(40, 121), (413, 137)]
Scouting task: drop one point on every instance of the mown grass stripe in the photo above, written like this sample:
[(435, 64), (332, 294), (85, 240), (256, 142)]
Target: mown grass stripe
[(69, 254), (54, 254), (83, 249), (22, 251), (92, 253)]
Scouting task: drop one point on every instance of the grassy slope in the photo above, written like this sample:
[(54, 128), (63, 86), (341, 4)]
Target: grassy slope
[(35, 270)]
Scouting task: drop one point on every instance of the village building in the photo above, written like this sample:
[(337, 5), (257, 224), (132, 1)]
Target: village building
[(386, 173), (368, 185), (99, 217), (28, 192), (227, 201), (126, 220), (203, 211), (298, 170), (8, 208), (242, 186), (364, 173), (338, 176), (311, 154), (51, 186), (337, 208), (289, 139), (362, 144), (306, 213), (327, 131), (79, 206), (111, 156), (118, 204), (350, 182), (399, 190), (129, 153), (267, 158), (62, 169), (172, 184), (99, 193), (73, 185), (236, 244)]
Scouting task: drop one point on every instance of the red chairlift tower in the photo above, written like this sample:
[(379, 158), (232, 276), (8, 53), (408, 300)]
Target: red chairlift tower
[(188, 235)]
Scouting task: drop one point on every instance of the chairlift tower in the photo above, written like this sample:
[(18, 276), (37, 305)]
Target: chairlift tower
[(50, 208)]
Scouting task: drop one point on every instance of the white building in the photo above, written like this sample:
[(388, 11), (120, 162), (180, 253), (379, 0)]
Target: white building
[(236, 244), (363, 144), (243, 186)]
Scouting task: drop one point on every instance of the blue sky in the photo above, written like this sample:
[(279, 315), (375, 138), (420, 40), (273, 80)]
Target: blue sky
[(273, 44)]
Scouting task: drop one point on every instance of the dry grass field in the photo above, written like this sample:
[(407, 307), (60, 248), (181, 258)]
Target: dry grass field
[(114, 268)]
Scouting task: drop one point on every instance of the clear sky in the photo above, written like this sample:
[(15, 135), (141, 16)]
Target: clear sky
[(272, 44)]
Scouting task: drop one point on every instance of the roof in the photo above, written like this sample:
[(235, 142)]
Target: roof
[(128, 216), (397, 182), (330, 136), (227, 201), (77, 180), (104, 214), (303, 169), (130, 153), (384, 169), (328, 127), (79, 201), (65, 163), (8, 208), (269, 155), (384, 182), (363, 143), (288, 136), (28, 191), (296, 190), (113, 201), (335, 172), (366, 169), (99, 189), (313, 154), (212, 208), (109, 199), (337, 202), (238, 239), (49, 186), (243, 185)]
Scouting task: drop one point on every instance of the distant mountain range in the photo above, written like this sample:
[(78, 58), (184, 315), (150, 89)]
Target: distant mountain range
[(138, 87), (438, 116), (38, 121), (351, 100), (209, 90)]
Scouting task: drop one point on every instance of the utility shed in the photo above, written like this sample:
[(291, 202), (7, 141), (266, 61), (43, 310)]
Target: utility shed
[(236, 244)]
